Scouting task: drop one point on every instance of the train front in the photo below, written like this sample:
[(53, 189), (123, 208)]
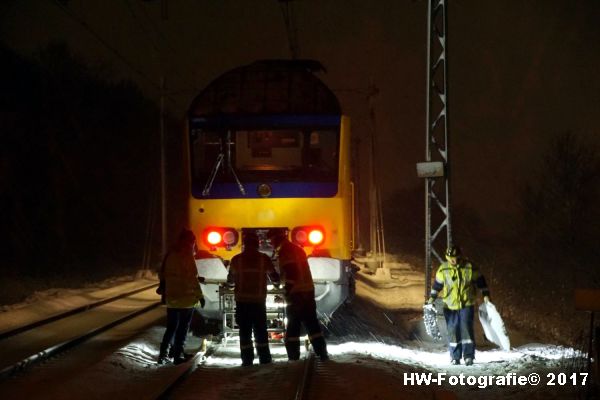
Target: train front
[(269, 148)]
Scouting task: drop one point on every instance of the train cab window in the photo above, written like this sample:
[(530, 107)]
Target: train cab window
[(258, 155), (269, 150), (207, 147)]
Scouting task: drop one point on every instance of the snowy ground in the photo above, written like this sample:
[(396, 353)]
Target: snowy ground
[(133, 367), (373, 343), (49, 302)]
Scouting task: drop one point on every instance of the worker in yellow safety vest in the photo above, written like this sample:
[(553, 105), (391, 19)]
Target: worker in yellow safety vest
[(248, 273), (299, 293), (456, 282), (181, 290)]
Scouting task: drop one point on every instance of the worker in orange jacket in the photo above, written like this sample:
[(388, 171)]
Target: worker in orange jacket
[(299, 291), (248, 272)]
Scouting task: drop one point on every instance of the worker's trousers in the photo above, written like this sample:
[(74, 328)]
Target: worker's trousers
[(302, 310), (178, 324), (252, 317), (461, 341)]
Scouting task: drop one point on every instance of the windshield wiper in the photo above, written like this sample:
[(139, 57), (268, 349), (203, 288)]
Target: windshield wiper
[(230, 165), (240, 186), (218, 164), (213, 174)]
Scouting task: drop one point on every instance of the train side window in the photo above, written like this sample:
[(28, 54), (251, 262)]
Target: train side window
[(322, 151)]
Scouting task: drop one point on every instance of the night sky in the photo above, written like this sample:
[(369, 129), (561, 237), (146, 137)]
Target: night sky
[(521, 72)]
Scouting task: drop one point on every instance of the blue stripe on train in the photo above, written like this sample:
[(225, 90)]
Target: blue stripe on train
[(279, 190), (264, 121)]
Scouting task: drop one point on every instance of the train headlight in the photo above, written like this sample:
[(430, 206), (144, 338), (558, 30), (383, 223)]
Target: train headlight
[(229, 238), (315, 237), (214, 238)]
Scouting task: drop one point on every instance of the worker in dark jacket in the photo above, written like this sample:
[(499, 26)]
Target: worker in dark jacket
[(181, 293), (299, 293), (456, 282), (248, 272)]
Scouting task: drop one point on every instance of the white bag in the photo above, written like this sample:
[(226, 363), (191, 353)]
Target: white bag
[(493, 326)]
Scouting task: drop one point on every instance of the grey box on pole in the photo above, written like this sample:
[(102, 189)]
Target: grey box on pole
[(433, 169)]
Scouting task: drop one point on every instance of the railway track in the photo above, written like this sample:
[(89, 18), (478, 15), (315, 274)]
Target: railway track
[(276, 381), (30, 344), (89, 332), (55, 317)]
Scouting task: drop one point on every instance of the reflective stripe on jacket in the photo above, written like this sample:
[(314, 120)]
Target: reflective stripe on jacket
[(182, 289), (457, 284), (248, 271), (294, 269)]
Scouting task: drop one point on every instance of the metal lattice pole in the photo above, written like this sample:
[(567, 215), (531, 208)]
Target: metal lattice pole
[(436, 169)]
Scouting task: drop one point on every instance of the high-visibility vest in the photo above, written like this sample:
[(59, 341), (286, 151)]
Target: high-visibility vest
[(294, 269), (459, 284), (248, 271), (182, 289)]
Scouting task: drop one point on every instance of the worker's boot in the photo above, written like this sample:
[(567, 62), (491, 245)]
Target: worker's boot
[(247, 355), (163, 354), (183, 357), (264, 354), (179, 356), (293, 350), (320, 348)]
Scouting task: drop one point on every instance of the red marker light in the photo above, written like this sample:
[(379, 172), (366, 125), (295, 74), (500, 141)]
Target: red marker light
[(315, 237), (213, 238)]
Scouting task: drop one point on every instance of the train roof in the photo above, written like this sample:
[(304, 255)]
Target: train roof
[(267, 87)]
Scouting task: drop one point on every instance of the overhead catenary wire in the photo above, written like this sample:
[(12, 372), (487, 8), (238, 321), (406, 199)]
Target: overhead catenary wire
[(156, 29), (165, 39), (146, 257), (155, 46), (289, 18), (112, 49), (143, 29)]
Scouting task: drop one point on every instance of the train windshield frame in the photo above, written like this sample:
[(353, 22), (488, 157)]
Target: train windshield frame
[(288, 155)]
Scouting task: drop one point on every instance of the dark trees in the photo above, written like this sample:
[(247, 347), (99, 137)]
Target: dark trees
[(79, 160), (559, 207)]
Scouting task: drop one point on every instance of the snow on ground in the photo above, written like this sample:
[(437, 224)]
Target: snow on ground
[(353, 362), (50, 302), (369, 369), (487, 362), (141, 354)]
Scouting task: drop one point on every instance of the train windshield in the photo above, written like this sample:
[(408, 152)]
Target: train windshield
[(264, 155)]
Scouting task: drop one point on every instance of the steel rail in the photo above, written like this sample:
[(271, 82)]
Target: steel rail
[(168, 391), (77, 310), (302, 389), (68, 344), (301, 392)]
